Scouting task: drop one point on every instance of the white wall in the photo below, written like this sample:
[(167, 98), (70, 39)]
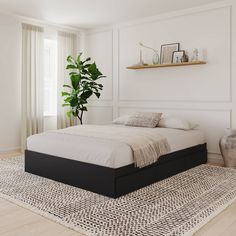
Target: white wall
[(99, 46), (10, 73), (203, 94), (10, 77)]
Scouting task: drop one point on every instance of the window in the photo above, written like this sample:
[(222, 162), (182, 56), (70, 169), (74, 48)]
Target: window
[(50, 77)]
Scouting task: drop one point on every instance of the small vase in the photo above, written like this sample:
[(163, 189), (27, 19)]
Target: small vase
[(228, 148), (156, 58)]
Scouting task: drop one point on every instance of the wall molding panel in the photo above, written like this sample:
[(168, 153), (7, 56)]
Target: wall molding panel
[(154, 80), (98, 115), (99, 46), (202, 94)]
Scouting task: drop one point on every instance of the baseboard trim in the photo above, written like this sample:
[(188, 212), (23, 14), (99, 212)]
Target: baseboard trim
[(14, 149), (215, 159)]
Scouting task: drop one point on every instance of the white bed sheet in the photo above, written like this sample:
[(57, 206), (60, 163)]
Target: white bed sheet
[(103, 152)]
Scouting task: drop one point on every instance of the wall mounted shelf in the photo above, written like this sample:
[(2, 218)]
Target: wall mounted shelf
[(166, 65)]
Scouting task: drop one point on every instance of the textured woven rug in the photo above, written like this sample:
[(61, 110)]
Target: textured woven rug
[(175, 206)]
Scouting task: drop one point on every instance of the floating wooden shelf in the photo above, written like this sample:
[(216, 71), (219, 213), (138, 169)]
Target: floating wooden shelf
[(166, 65)]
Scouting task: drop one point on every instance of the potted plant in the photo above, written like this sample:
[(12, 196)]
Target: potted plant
[(84, 78)]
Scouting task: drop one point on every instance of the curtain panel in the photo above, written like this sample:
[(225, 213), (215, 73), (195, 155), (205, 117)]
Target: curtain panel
[(67, 46), (32, 81)]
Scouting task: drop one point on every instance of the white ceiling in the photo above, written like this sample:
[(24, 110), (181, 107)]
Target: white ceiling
[(93, 13)]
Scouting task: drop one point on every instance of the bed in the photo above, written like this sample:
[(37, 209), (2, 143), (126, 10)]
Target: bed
[(106, 166)]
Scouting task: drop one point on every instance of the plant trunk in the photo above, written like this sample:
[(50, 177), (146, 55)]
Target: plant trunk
[(81, 117), (81, 122)]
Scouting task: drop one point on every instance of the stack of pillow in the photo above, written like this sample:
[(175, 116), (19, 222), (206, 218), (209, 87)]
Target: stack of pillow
[(152, 120)]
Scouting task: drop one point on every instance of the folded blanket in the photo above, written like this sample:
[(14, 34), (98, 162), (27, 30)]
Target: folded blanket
[(147, 146)]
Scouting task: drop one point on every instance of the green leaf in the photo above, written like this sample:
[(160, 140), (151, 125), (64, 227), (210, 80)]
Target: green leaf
[(69, 113), (68, 99), (75, 80), (87, 65), (65, 105), (75, 113), (84, 109), (71, 67), (74, 102), (94, 77), (67, 86), (101, 76), (87, 59), (78, 58), (87, 94), (82, 102), (97, 95), (64, 94), (99, 73), (92, 69), (70, 60), (73, 73), (76, 91)]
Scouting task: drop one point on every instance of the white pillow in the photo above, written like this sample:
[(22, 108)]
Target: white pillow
[(176, 123), (121, 120)]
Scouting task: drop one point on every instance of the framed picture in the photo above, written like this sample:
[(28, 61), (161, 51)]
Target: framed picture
[(167, 52), (178, 56)]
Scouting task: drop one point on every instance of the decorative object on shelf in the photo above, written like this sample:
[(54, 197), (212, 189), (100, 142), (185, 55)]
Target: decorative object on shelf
[(140, 63), (138, 67), (228, 147), (193, 54), (141, 58), (167, 52), (156, 58), (178, 56), (186, 57)]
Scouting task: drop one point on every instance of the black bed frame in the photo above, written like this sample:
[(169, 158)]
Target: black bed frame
[(108, 181)]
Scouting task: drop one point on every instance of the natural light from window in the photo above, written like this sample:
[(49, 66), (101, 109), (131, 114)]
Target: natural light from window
[(50, 77)]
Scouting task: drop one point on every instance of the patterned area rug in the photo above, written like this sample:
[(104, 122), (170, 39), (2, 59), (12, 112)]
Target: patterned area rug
[(176, 206)]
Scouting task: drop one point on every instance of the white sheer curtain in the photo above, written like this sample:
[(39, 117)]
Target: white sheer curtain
[(67, 46), (32, 81)]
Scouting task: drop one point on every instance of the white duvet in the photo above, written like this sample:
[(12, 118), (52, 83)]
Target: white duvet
[(147, 145), (105, 152)]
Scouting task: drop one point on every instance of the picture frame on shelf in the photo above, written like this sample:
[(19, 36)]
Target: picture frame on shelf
[(178, 57), (167, 52)]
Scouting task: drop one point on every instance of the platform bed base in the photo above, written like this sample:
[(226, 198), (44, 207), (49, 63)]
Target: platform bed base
[(108, 181)]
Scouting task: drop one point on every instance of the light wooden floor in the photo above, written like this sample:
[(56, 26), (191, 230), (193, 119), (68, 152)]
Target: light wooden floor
[(17, 221)]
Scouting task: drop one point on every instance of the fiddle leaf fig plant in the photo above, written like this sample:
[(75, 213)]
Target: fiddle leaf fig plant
[(84, 77)]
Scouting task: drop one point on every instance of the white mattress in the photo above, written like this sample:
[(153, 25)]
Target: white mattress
[(105, 152)]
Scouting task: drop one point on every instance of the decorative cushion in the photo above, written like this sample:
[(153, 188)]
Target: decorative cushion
[(176, 123), (121, 120), (144, 119)]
